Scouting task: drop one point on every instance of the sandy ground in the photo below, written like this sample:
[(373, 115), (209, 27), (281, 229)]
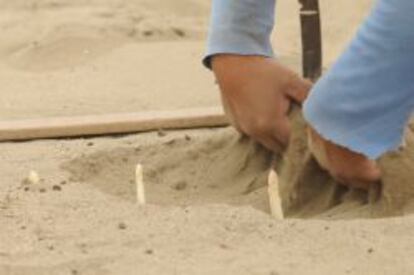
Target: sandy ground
[(208, 208), (89, 57)]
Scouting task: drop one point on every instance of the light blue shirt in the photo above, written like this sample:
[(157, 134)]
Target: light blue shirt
[(366, 99)]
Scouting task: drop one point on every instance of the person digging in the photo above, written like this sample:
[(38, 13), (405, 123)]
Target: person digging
[(356, 112)]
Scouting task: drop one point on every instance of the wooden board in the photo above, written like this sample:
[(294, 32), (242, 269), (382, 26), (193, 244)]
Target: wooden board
[(111, 124)]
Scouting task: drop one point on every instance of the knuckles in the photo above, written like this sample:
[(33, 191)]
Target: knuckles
[(360, 180)]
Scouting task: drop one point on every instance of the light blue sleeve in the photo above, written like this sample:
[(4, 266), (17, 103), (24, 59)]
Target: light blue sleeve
[(366, 99), (240, 27)]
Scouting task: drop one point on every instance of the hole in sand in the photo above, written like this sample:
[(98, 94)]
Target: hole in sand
[(217, 168)]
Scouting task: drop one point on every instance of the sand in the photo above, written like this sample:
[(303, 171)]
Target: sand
[(207, 209), (90, 57)]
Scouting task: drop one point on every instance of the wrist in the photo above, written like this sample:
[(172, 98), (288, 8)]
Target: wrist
[(221, 60)]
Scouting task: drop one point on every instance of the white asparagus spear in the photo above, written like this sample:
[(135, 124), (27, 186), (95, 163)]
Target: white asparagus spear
[(139, 179), (274, 196)]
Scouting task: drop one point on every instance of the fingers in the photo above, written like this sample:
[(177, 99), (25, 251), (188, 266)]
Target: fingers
[(262, 133), (351, 168), (271, 131), (299, 90), (359, 184), (281, 123), (227, 110), (270, 143), (347, 167), (281, 131), (351, 165), (273, 135)]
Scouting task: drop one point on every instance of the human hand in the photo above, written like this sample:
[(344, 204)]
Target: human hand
[(257, 94), (347, 167)]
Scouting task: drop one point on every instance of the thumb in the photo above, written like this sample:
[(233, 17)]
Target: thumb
[(299, 90), (282, 131)]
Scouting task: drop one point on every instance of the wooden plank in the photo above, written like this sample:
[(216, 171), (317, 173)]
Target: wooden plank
[(59, 127)]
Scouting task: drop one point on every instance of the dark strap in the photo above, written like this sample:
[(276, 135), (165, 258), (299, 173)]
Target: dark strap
[(311, 39)]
